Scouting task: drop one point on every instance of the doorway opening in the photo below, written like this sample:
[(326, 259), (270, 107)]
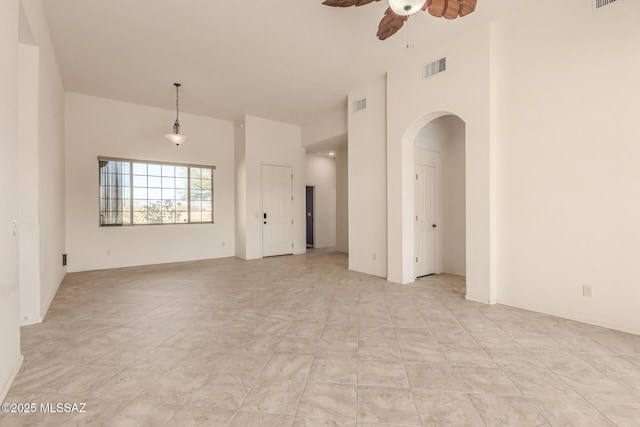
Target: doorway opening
[(439, 198), (310, 216)]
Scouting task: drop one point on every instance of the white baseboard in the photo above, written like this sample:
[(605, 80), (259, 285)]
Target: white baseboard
[(14, 372), (30, 322), (603, 323)]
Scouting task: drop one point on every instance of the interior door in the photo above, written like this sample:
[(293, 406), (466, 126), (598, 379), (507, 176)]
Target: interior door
[(426, 227), (277, 210)]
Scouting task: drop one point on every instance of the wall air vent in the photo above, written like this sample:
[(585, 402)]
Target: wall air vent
[(359, 105), (597, 4), (434, 68)]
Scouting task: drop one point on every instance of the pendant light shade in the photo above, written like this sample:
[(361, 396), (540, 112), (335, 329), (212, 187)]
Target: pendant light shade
[(405, 7), (176, 137)]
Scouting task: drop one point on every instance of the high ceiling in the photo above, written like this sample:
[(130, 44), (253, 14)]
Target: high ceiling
[(286, 60)]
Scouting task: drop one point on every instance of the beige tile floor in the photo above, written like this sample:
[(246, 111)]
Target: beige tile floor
[(301, 341)]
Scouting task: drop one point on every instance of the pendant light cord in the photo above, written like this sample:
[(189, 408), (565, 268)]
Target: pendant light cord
[(409, 27), (177, 104), (175, 137)]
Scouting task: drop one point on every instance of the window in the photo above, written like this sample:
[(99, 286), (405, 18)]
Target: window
[(135, 192)]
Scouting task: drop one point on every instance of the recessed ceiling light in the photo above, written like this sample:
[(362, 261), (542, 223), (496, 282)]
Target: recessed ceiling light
[(332, 153)]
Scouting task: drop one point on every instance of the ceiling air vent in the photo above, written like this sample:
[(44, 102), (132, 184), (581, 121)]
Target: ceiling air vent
[(597, 4), (359, 105), (434, 68)]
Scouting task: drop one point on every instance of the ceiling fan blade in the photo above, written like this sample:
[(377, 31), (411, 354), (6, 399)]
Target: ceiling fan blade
[(339, 3), (346, 3), (468, 6), (453, 9), (390, 24), (426, 5), (438, 7)]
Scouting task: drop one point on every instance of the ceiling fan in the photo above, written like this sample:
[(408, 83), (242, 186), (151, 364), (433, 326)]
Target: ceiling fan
[(399, 10)]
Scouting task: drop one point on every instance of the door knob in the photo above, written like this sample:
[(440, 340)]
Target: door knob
[(434, 225)]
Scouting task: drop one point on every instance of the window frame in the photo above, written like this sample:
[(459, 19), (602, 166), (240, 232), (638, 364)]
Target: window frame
[(130, 186)]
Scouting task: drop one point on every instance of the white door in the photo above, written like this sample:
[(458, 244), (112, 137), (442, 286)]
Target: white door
[(277, 210), (425, 225)]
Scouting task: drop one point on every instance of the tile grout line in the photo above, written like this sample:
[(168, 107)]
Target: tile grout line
[(406, 373), (252, 386), (475, 407), (304, 389), (404, 362)]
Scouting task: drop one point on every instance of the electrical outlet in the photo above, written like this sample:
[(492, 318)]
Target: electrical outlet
[(224, 244), (108, 252), (587, 291), (374, 257)]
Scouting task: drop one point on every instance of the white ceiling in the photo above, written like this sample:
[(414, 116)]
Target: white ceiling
[(263, 58)]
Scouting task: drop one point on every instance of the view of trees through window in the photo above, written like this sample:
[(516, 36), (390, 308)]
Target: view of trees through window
[(135, 193)]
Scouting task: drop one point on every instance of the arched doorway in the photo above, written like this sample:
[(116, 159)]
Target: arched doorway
[(439, 202), (479, 206)]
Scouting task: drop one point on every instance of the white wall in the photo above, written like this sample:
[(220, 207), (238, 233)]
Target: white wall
[(464, 90), (569, 193), (49, 160), (452, 222), (321, 174), (328, 126), (342, 200), (430, 137), (241, 192), (100, 127), (368, 181), (275, 143), (9, 288), (28, 183)]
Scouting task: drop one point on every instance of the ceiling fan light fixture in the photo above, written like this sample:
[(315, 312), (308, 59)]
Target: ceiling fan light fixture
[(176, 137), (399, 10), (406, 7)]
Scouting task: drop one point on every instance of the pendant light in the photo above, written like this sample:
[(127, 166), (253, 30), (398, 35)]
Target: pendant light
[(176, 137)]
